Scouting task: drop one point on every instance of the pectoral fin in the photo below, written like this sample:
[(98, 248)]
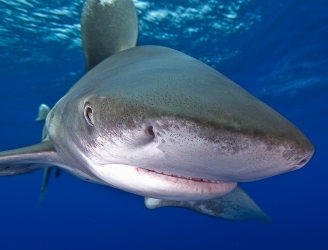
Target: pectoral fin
[(28, 159), (234, 206)]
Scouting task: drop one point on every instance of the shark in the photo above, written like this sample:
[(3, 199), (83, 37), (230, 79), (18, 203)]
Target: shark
[(158, 123)]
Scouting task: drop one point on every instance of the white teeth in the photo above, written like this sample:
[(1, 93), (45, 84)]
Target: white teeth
[(186, 178)]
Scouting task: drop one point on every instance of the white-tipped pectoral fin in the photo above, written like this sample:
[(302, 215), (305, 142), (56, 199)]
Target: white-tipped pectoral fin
[(234, 206)]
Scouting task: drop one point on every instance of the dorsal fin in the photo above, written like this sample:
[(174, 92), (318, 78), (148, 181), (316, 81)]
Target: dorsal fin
[(107, 27), (234, 206), (28, 159)]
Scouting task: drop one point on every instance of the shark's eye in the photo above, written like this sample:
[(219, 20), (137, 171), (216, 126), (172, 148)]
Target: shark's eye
[(88, 114)]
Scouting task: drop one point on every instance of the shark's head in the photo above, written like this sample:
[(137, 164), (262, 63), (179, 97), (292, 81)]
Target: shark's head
[(157, 113), (158, 123)]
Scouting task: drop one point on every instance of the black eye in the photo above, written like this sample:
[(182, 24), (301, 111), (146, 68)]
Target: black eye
[(88, 114)]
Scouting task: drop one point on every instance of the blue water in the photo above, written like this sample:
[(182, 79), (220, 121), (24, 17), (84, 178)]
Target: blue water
[(277, 50)]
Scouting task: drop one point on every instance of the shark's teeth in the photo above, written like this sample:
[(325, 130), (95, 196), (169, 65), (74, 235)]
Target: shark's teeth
[(184, 177)]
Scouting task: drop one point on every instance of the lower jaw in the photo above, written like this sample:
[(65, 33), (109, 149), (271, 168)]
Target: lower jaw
[(159, 185)]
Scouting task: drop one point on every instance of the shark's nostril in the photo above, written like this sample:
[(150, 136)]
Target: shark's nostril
[(302, 162), (150, 131)]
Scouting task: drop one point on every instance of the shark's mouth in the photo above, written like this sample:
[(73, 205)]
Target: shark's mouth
[(183, 177), (161, 185)]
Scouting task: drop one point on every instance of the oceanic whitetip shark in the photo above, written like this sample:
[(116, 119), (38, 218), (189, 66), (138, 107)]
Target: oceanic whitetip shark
[(158, 123)]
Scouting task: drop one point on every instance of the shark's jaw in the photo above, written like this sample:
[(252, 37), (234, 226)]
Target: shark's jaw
[(161, 185)]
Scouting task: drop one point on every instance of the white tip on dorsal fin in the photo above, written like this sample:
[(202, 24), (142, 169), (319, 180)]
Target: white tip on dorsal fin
[(107, 27), (234, 206)]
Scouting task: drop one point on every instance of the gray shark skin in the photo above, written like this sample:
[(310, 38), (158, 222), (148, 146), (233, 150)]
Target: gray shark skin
[(158, 123)]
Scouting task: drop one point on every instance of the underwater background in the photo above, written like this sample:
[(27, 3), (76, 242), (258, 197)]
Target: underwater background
[(277, 50)]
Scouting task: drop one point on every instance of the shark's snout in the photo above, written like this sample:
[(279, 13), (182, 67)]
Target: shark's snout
[(308, 151), (187, 148)]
